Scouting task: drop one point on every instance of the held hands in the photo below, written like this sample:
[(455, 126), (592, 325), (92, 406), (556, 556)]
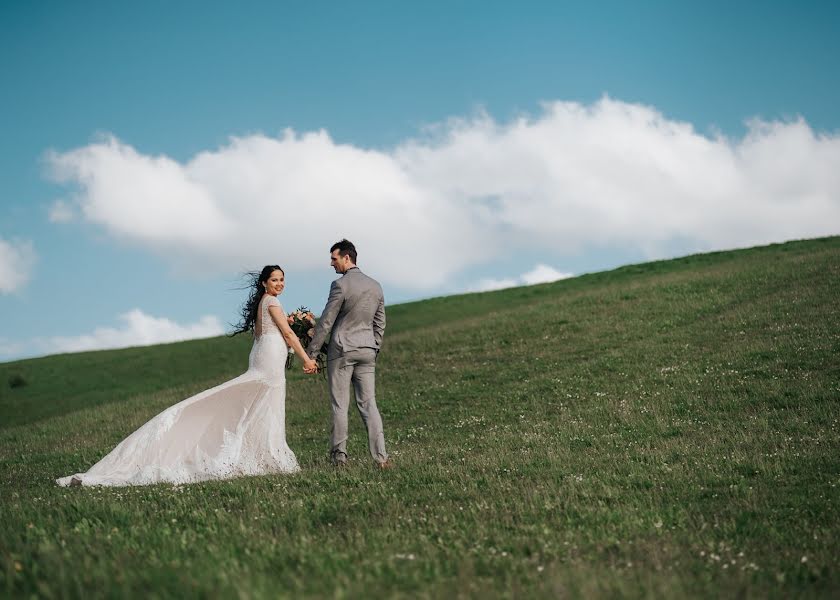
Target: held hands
[(310, 367)]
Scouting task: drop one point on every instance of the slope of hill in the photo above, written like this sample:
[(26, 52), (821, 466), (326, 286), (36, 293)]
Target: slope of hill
[(669, 428)]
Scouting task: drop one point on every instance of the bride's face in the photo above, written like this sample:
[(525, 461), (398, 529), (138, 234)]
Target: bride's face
[(275, 283)]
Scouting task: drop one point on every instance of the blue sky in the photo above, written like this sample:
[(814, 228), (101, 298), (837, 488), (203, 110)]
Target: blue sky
[(467, 145)]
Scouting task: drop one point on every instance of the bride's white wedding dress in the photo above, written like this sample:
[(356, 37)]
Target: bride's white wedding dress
[(234, 429)]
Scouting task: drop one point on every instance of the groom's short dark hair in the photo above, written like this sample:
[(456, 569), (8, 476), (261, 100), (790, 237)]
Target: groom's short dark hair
[(344, 248)]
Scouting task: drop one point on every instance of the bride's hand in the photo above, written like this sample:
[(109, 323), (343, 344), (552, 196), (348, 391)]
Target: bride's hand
[(310, 366)]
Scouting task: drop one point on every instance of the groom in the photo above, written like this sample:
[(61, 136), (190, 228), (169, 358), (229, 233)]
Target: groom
[(355, 314)]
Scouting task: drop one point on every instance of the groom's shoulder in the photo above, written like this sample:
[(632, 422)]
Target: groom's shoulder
[(362, 281), (337, 284), (374, 286), (368, 278), (358, 275)]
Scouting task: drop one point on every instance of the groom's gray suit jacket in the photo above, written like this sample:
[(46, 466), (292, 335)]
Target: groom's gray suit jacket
[(355, 314)]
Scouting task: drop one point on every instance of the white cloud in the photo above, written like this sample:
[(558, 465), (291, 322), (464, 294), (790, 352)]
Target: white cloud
[(489, 285), (10, 349), (17, 257), (61, 212), (571, 178), (543, 274), (261, 200), (539, 274), (138, 329)]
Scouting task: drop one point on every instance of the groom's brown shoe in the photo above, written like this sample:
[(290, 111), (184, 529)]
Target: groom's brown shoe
[(338, 459), (385, 465)]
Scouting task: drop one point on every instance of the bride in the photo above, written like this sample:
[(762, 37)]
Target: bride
[(236, 428)]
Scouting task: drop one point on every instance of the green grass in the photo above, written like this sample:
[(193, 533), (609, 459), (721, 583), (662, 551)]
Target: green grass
[(667, 429)]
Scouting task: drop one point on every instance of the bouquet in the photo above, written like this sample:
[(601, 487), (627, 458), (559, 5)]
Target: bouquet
[(302, 323)]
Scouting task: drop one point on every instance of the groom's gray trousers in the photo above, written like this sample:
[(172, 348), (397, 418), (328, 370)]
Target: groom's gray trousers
[(357, 367)]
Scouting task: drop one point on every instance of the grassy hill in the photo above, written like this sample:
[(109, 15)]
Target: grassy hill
[(666, 429)]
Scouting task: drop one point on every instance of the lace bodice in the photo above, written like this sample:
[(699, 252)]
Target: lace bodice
[(268, 355), (265, 324)]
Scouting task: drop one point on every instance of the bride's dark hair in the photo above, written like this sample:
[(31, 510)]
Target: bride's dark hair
[(248, 312)]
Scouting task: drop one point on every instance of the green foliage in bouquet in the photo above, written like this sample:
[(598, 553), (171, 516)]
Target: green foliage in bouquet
[(302, 321)]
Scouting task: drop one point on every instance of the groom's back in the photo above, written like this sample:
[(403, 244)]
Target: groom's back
[(363, 298)]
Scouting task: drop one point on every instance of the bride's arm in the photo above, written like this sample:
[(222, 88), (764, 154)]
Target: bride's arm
[(292, 340)]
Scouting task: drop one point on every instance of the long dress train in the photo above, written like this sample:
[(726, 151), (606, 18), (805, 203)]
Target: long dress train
[(234, 429)]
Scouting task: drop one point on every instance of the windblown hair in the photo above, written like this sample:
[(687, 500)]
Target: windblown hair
[(248, 312), (344, 248)]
